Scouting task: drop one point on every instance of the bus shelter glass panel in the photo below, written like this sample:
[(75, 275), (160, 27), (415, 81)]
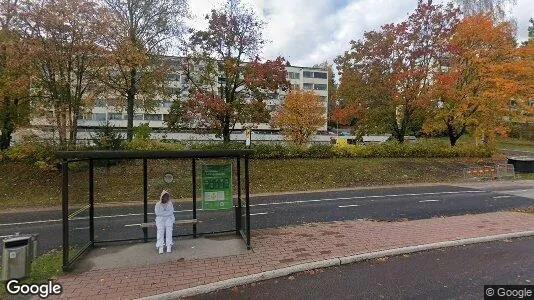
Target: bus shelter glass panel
[(175, 177), (78, 208), (118, 199)]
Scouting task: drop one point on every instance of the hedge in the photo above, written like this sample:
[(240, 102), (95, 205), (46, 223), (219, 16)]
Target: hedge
[(42, 154)]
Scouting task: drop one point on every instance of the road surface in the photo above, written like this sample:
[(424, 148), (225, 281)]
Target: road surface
[(450, 273), (413, 202)]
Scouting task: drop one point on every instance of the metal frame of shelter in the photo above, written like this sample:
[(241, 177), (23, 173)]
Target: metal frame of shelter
[(67, 157)]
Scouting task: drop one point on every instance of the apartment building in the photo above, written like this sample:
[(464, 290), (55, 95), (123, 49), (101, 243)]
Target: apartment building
[(305, 78)]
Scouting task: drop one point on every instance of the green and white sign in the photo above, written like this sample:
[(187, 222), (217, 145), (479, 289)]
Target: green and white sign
[(217, 187)]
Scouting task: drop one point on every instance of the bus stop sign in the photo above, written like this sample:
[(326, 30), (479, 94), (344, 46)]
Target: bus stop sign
[(217, 187)]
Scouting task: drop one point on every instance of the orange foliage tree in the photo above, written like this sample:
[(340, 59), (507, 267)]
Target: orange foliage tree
[(389, 72), (477, 81), (300, 116)]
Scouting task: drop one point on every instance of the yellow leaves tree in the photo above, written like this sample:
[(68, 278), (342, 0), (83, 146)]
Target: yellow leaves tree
[(300, 116), (476, 82)]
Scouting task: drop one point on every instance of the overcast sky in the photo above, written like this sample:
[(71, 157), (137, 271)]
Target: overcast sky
[(307, 32)]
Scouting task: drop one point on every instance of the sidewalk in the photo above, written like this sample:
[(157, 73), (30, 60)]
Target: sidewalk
[(283, 247)]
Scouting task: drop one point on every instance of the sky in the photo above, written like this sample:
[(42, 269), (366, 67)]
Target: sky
[(308, 32)]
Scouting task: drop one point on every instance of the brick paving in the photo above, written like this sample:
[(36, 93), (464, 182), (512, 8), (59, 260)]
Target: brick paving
[(282, 247)]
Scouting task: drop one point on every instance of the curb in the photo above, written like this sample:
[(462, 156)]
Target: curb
[(230, 283)]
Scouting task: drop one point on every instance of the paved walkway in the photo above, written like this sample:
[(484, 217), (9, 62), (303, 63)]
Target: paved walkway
[(282, 247)]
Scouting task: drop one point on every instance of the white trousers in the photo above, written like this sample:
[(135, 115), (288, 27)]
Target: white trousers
[(164, 231)]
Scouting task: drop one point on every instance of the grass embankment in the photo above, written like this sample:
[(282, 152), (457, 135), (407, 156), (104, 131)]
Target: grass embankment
[(516, 145), (22, 185)]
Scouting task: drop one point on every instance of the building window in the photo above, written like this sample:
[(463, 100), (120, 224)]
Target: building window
[(272, 96), (173, 77), (138, 117), (307, 86), (166, 104), (307, 74), (153, 117), (294, 75), (100, 103), (319, 87), (295, 86), (323, 98), (322, 75), (115, 116), (99, 116)]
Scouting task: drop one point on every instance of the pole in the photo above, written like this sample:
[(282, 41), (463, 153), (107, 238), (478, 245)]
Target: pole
[(65, 208), (238, 208), (91, 203), (194, 177), (247, 199), (145, 199)]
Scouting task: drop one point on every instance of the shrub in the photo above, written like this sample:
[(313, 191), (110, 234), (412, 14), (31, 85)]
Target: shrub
[(141, 144), (39, 154), (142, 132), (422, 149), (107, 137)]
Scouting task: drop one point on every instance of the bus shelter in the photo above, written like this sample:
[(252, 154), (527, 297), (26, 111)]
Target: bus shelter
[(221, 190)]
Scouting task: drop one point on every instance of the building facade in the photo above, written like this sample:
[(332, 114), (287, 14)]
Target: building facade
[(304, 78)]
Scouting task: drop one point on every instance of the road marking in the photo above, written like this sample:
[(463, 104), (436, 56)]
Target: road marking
[(512, 191), (499, 197), (262, 204), (257, 214), (422, 201), (343, 206), (82, 228), (363, 197)]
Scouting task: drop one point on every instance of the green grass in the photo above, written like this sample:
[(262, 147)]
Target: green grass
[(516, 145), (44, 267), (26, 186)]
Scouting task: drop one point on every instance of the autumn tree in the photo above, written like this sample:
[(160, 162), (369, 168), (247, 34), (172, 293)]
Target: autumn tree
[(65, 39), (478, 80), (141, 34), (301, 114), (14, 73), (228, 82), (389, 72)]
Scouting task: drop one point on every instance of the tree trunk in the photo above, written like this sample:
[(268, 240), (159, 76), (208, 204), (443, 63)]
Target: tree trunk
[(226, 129), (130, 102), (453, 136), (73, 134), (7, 126)]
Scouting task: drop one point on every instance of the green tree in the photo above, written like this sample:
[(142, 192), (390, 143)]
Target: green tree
[(141, 35), (14, 73), (65, 38)]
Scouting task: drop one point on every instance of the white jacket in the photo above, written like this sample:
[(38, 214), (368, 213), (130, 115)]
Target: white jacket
[(164, 210)]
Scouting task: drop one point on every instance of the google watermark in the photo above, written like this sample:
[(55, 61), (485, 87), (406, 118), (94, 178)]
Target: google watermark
[(508, 292), (43, 290)]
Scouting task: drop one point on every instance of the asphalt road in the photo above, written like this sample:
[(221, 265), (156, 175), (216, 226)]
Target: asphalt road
[(414, 202), (450, 273)]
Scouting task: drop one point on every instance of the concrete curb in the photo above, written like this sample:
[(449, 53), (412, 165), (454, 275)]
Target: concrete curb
[(229, 283)]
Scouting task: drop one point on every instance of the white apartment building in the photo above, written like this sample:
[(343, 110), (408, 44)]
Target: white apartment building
[(305, 78)]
